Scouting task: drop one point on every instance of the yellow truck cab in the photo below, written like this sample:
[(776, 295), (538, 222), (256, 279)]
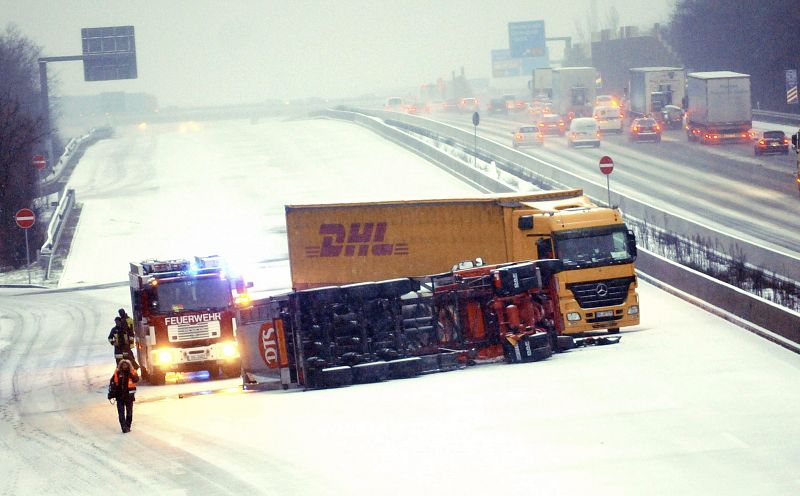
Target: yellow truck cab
[(346, 243)]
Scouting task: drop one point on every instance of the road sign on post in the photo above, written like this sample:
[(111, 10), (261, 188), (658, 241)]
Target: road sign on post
[(607, 167), (108, 53), (25, 218), (791, 86), (39, 162)]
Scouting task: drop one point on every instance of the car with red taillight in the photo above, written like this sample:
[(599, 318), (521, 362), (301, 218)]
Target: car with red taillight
[(552, 124), (468, 105), (772, 142), (527, 136), (645, 129)]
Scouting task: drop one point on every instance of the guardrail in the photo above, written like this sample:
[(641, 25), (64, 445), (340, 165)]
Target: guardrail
[(54, 230), (537, 170), (72, 152), (756, 314), (778, 117)]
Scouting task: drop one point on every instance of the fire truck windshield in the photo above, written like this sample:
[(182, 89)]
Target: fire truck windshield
[(593, 247), (192, 294)]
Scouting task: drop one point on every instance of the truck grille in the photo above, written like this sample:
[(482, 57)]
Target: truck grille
[(190, 332), (601, 293)]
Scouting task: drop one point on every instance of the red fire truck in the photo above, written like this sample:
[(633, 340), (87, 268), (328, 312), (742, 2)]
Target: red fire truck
[(184, 316)]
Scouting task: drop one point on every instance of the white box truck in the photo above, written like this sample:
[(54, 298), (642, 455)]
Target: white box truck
[(650, 89), (542, 84), (574, 90), (719, 107)]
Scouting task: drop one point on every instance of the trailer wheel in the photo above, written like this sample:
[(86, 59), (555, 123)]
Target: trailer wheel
[(361, 291), (613, 330), (396, 287)]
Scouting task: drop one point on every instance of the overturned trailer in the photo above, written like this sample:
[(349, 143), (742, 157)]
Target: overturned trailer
[(399, 328)]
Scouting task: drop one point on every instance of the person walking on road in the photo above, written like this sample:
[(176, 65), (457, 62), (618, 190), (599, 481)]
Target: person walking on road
[(127, 325), (121, 340), (127, 320), (122, 387)]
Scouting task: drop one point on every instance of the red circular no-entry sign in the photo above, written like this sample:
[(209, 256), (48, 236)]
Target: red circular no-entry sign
[(25, 218), (606, 165), (39, 162)]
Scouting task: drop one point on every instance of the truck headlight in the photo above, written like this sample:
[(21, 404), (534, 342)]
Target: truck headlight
[(573, 316), (633, 310), (165, 356), (230, 350)]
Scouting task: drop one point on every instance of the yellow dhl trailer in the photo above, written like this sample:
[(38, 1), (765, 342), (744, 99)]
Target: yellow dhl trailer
[(336, 244)]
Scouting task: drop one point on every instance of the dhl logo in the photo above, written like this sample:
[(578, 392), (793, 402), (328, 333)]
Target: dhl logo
[(359, 240)]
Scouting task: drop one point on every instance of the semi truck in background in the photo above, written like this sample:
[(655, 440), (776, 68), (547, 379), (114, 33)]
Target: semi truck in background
[(650, 89), (184, 316), (574, 91), (332, 245), (719, 107), (542, 83)]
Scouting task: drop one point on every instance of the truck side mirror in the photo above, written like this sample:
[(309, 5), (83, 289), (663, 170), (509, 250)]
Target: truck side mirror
[(632, 245), (525, 223), (543, 248)]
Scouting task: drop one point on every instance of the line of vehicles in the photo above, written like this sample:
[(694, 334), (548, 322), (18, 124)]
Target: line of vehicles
[(376, 295)]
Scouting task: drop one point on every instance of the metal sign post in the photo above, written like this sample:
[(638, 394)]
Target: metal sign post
[(476, 119), (607, 167), (25, 218)]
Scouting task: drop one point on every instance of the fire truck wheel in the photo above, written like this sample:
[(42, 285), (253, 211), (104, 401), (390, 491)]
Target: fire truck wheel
[(157, 378), (232, 370), (613, 330)]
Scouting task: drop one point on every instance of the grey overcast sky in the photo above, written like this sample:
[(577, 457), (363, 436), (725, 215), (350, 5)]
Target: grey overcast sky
[(196, 52)]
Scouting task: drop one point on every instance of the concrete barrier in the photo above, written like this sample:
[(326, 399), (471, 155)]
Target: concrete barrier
[(772, 321)]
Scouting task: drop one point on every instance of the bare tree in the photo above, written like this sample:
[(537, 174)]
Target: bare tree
[(21, 129)]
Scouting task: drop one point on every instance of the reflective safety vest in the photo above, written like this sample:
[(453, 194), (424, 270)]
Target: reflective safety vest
[(131, 384)]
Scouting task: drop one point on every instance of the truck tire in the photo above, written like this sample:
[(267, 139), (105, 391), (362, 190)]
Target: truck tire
[(361, 291), (395, 288), (365, 373), (564, 343), (320, 296), (232, 370), (156, 378)]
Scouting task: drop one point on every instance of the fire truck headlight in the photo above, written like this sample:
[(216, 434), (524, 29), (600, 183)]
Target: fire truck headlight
[(230, 350), (164, 356), (573, 316), (633, 310)]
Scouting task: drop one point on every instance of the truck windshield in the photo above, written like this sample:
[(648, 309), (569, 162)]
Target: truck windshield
[(592, 247), (193, 294)]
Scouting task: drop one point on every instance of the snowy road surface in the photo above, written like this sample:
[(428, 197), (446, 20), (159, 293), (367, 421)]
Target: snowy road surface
[(685, 404)]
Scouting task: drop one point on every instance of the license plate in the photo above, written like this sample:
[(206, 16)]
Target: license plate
[(605, 313), (729, 135), (773, 144), (193, 357)]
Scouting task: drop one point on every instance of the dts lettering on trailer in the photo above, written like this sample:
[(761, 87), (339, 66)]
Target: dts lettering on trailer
[(356, 240)]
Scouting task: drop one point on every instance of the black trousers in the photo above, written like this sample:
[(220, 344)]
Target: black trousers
[(125, 411)]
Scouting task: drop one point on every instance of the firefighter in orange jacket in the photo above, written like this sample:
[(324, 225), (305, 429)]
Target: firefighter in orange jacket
[(122, 387)]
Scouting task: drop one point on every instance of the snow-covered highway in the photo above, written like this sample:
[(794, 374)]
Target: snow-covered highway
[(687, 403)]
